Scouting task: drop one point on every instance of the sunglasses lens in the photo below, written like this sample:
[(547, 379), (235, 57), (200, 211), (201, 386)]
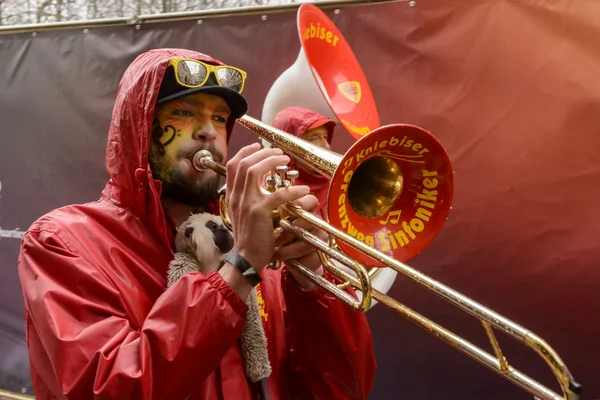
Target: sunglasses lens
[(191, 73), (230, 78)]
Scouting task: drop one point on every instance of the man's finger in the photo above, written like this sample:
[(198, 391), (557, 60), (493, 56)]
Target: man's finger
[(280, 196), (260, 167), (308, 203), (262, 159), (233, 163), (284, 237), (296, 249)]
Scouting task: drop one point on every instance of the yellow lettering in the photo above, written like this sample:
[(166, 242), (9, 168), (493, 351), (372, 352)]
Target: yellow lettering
[(345, 221), (320, 33), (394, 244), (352, 230), (401, 238), (342, 211), (425, 203), (406, 143), (408, 230), (348, 162), (423, 214), (428, 195), (417, 225), (430, 183), (384, 244), (348, 176)]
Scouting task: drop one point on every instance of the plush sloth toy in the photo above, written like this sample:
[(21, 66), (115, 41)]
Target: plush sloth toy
[(201, 244)]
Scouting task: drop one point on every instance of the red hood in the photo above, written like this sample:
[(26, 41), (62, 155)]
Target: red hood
[(296, 121), (131, 184)]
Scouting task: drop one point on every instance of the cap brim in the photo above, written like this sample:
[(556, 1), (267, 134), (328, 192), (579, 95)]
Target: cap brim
[(321, 122), (236, 102)]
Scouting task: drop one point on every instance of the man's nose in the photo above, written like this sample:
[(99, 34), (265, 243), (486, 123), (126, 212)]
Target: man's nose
[(324, 143), (206, 131)]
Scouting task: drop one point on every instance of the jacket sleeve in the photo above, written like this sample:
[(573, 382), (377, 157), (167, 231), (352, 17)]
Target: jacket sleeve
[(331, 349), (83, 344)]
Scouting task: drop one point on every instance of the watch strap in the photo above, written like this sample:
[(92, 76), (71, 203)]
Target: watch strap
[(242, 265)]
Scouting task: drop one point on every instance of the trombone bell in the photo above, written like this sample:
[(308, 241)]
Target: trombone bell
[(392, 190)]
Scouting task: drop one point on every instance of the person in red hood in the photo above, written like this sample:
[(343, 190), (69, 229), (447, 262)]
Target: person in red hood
[(317, 129), (100, 320)]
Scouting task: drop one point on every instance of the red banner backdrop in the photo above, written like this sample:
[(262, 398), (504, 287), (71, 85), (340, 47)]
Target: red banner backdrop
[(510, 88)]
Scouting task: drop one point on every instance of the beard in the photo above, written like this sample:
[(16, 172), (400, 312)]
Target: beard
[(179, 187)]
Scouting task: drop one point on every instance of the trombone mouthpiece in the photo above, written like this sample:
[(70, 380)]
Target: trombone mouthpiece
[(201, 159)]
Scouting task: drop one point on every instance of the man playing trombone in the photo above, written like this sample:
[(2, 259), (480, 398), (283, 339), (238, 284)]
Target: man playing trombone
[(100, 320)]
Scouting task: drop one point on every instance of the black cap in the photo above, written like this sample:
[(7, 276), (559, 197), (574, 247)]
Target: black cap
[(171, 90)]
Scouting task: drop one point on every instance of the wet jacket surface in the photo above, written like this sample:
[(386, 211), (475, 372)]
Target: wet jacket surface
[(101, 323)]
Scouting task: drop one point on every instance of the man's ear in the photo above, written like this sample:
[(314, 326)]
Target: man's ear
[(188, 231)]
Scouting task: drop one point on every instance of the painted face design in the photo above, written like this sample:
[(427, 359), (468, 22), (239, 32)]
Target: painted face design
[(181, 128)]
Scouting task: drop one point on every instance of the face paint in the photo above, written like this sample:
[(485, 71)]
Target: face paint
[(173, 123), (181, 128)]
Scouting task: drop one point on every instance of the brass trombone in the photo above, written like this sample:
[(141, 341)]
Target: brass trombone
[(382, 172)]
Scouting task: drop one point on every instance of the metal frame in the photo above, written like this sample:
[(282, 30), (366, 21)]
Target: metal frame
[(178, 16)]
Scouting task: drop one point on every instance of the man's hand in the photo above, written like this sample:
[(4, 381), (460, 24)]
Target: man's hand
[(288, 246), (250, 210)]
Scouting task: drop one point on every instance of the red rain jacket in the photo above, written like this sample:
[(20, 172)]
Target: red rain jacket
[(101, 323), (296, 121)]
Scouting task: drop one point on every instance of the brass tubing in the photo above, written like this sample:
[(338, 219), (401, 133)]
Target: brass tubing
[(365, 280), (564, 377), (513, 375)]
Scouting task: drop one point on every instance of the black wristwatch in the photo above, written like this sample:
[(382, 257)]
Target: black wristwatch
[(240, 263)]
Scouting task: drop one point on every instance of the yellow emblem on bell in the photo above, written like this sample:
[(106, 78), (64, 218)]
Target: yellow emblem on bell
[(351, 90)]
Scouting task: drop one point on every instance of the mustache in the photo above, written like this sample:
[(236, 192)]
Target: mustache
[(189, 153)]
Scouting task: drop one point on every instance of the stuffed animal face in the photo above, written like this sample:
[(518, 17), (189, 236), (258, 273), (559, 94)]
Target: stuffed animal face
[(205, 236)]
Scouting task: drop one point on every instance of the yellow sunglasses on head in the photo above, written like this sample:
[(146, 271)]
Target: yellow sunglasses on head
[(193, 73)]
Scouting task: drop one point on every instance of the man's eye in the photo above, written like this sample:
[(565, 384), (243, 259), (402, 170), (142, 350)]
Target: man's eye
[(183, 113), (220, 119)]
